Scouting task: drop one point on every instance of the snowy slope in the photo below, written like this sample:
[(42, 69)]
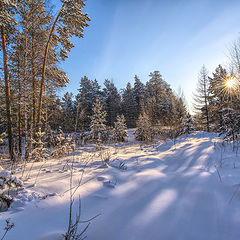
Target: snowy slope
[(163, 191)]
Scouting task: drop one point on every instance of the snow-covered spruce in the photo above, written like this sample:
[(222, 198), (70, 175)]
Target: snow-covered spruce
[(144, 131), (97, 127), (7, 182), (229, 128), (40, 152), (120, 129)]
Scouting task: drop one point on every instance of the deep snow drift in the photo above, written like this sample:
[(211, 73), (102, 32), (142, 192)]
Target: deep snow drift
[(189, 190)]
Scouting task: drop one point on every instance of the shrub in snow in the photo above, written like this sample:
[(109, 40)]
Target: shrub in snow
[(8, 227), (68, 146), (64, 146), (7, 182), (105, 157), (120, 129), (144, 131)]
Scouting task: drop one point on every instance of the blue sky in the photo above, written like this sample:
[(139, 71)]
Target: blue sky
[(176, 37)]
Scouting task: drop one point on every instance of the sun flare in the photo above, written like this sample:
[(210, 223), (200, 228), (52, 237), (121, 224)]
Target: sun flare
[(230, 82), (231, 86)]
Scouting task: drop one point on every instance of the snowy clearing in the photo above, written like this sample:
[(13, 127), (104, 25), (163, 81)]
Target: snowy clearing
[(162, 191)]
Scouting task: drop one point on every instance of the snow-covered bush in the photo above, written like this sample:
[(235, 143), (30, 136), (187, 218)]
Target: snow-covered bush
[(68, 145), (7, 182), (64, 146), (120, 129)]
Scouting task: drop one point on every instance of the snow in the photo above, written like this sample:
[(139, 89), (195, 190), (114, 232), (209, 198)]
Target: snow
[(166, 191)]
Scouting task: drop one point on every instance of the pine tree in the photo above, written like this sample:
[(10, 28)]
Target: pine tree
[(40, 152), (144, 131), (159, 102), (7, 10), (177, 119), (89, 91), (217, 97), (201, 98), (129, 106), (68, 112), (188, 124), (112, 102), (120, 129), (139, 95), (70, 21), (98, 120)]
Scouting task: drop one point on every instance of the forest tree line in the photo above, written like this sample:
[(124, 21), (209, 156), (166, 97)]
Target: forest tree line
[(35, 40), (217, 97)]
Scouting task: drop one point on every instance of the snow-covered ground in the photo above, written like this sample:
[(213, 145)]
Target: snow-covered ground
[(186, 191)]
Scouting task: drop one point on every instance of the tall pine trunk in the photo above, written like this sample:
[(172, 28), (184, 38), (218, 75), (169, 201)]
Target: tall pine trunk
[(19, 110), (33, 88), (7, 96), (206, 106), (32, 125), (44, 68), (25, 96)]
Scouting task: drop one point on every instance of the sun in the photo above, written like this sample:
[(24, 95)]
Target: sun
[(231, 86), (230, 82)]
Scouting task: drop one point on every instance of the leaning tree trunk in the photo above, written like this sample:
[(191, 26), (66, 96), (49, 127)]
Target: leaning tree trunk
[(7, 95), (44, 68)]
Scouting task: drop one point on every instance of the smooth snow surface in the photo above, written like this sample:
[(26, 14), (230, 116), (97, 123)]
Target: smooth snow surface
[(157, 192)]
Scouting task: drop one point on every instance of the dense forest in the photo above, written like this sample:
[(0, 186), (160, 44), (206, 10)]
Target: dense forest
[(34, 41)]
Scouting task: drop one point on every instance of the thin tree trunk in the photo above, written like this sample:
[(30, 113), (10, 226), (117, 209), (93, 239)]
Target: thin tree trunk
[(33, 87), (206, 103), (7, 93), (46, 109), (30, 133), (44, 68), (207, 114), (32, 127), (19, 109), (25, 94)]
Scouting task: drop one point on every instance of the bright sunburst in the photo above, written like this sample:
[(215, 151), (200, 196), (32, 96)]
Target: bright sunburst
[(230, 82), (231, 86)]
